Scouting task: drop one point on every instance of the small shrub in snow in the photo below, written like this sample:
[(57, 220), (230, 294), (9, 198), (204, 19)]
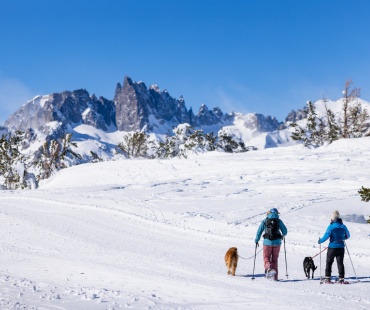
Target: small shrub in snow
[(364, 193), (53, 156), (365, 196), (185, 139), (230, 141), (135, 145), (94, 158)]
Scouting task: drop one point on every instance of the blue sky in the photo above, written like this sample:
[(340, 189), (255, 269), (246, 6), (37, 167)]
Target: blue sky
[(265, 56)]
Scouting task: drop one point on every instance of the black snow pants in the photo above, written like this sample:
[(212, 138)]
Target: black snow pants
[(338, 253)]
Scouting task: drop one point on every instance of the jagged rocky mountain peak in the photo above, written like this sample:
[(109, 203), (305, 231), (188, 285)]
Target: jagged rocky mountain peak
[(67, 108), (297, 115), (135, 107), (155, 87), (118, 86)]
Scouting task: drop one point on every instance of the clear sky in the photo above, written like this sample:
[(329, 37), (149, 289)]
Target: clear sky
[(265, 56)]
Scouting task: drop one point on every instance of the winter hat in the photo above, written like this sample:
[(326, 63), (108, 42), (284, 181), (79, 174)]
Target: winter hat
[(335, 215), (274, 210)]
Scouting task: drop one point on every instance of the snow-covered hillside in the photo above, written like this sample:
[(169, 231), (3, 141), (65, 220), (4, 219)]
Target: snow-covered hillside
[(152, 234)]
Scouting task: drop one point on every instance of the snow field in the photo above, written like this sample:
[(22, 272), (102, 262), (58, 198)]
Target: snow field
[(152, 234)]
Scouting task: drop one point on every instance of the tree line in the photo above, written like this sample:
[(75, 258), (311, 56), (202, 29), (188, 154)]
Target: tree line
[(354, 122), (19, 170)]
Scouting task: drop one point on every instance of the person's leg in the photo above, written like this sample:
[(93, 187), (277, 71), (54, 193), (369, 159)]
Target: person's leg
[(339, 257), (275, 259), (267, 252), (329, 262)]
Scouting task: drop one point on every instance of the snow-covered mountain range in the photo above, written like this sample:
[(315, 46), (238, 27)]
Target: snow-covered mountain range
[(99, 123), (135, 107)]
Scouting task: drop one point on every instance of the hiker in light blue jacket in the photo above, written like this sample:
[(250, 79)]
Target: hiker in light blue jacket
[(337, 232)]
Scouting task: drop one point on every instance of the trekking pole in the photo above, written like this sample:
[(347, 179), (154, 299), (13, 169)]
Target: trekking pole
[(286, 265), (254, 265), (320, 265), (351, 260)]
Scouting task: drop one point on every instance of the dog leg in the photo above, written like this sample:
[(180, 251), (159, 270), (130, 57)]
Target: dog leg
[(233, 268)]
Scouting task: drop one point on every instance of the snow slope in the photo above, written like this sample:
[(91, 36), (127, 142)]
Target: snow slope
[(152, 234)]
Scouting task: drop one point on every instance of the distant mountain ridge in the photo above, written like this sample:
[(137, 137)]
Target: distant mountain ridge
[(135, 107)]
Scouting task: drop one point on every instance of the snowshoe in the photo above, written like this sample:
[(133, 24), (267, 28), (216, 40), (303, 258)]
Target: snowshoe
[(270, 274), (327, 281), (342, 281)]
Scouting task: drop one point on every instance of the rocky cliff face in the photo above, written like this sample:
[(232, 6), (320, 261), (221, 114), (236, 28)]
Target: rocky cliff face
[(135, 104), (264, 124), (67, 108), (298, 115)]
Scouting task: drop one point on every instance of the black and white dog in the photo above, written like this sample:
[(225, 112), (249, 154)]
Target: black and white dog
[(308, 264)]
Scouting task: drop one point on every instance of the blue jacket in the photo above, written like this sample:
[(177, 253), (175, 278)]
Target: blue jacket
[(337, 232), (262, 227)]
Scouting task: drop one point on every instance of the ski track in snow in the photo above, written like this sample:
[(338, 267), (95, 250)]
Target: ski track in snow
[(152, 234)]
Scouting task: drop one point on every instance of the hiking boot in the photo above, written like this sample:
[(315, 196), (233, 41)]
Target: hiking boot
[(327, 280), (267, 270), (341, 281)]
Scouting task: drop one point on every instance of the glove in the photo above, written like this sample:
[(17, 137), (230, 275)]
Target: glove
[(318, 241), (257, 245)]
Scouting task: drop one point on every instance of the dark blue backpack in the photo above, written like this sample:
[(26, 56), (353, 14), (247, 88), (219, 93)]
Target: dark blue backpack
[(272, 229)]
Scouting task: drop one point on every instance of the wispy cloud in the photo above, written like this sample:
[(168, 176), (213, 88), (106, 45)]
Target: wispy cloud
[(239, 98), (13, 94), (306, 90)]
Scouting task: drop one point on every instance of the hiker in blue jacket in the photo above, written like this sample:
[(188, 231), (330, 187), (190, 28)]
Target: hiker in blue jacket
[(337, 232), (274, 230)]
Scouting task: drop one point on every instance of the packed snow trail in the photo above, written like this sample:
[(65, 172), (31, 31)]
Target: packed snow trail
[(152, 234)]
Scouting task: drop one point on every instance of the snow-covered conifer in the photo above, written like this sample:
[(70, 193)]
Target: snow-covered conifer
[(53, 156), (12, 161), (230, 141), (350, 96), (332, 129)]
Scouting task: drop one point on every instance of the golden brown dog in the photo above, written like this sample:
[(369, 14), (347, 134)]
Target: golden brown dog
[(231, 260)]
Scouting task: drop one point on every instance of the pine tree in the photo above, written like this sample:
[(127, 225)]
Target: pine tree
[(299, 134), (350, 95), (358, 119), (364, 193), (313, 134), (332, 130), (314, 127), (365, 196), (12, 161)]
